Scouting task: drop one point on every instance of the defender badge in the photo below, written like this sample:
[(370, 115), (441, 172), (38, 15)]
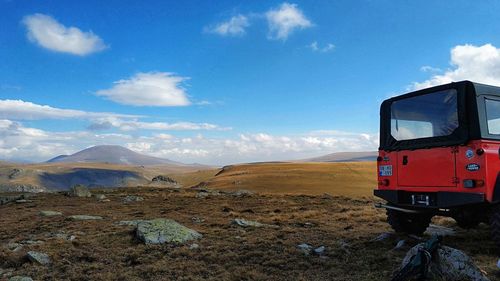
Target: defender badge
[(473, 167), (469, 153)]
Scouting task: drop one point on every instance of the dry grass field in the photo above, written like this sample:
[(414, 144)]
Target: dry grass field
[(319, 204), (347, 179)]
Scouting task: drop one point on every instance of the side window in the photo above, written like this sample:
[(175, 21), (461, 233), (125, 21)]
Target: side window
[(493, 116)]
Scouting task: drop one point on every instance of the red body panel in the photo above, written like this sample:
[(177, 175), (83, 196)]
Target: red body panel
[(442, 168)]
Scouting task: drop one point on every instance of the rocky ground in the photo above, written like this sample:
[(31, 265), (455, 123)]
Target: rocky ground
[(230, 236)]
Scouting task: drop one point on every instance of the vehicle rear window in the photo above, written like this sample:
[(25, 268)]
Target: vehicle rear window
[(493, 116), (425, 116)]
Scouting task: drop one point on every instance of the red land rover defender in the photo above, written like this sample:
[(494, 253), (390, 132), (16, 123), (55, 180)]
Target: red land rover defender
[(440, 155)]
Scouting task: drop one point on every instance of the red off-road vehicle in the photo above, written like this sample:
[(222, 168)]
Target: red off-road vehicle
[(440, 155)]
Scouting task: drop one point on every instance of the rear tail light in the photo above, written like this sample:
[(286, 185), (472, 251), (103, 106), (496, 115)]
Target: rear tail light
[(384, 182)]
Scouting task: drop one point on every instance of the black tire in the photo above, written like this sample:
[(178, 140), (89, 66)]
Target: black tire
[(495, 225), (408, 223)]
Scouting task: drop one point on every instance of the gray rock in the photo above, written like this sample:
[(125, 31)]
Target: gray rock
[(449, 264), (15, 173), (194, 246), (159, 231), (241, 193), (399, 245), (202, 194), (247, 223), (21, 201), (100, 197), (84, 218), (306, 249), (440, 230), (132, 198), (20, 278), (197, 220), (320, 250), (13, 246), (382, 237), (130, 223), (79, 191), (50, 213), (38, 257)]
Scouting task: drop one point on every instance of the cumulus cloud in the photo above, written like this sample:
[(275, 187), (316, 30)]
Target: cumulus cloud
[(325, 49), (233, 27), (148, 89), (131, 125), (20, 142), (468, 62), (23, 110), (284, 20), (50, 34)]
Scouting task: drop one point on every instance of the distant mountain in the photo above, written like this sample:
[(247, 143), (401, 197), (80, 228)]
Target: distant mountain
[(113, 154), (346, 157)]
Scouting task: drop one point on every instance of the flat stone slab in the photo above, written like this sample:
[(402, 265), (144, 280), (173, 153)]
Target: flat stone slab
[(440, 230), (50, 213), (84, 218), (159, 231), (38, 257), (20, 278)]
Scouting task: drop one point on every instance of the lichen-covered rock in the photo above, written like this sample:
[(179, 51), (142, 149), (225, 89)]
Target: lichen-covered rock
[(50, 213), (247, 223), (84, 218), (132, 198), (449, 264), (79, 191), (20, 278), (159, 231), (38, 257)]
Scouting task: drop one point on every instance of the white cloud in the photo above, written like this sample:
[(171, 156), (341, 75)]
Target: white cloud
[(50, 34), (148, 89), (233, 27), (20, 142), (327, 48), (468, 62), (284, 20), (134, 124), (23, 110), (428, 68)]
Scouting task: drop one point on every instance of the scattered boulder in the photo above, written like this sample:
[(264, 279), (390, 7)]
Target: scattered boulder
[(130, 223), (132, 198), (194, 246), (100, 197), (197, 220), (241, 193), (20, 278), (84, 218), (399, 245), (50, 213), (247, 223), (382, 237), (14, 246), (79, 190), (159, 231), (38, 257), (164, 179), (22, 201), (320, 251), (449, 264), (440, 230), (15, 173), (306, 249)]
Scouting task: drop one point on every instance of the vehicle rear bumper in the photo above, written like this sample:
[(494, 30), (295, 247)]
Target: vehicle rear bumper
[(440, 199)]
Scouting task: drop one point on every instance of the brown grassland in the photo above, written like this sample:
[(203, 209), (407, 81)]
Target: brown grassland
[(289, 196)]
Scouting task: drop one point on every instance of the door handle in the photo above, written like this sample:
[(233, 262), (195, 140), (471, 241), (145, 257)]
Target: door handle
[(405, 159)]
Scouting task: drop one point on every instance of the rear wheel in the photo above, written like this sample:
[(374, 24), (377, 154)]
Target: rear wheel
[(408, 223), (495, 225)]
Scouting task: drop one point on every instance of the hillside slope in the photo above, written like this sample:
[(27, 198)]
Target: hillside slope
[(113, 154), (361, 156)]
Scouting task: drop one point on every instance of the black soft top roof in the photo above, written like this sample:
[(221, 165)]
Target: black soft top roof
[(468, 117)]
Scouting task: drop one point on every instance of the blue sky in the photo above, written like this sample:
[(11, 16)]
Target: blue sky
[(226, 81)]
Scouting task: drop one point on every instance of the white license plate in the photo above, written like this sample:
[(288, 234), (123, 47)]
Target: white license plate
[(385, 170)]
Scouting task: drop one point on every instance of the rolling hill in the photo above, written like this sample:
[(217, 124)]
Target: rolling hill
[(112, 154), (345, 157)]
